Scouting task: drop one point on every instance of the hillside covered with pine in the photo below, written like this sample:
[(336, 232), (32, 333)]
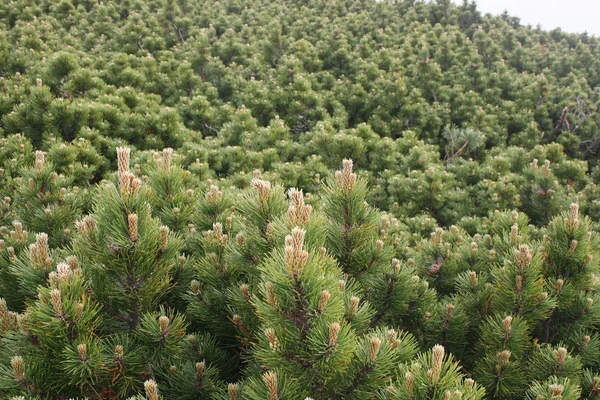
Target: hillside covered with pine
[(296, 199)]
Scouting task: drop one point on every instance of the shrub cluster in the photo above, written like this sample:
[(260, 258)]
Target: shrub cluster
[(296, 200)]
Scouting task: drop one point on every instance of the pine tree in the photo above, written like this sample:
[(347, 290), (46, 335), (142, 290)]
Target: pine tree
[(519, 287), (172, 200), (504, 342), (304, 295), (542, 196), (29, 269), (434, 375), (226, 261), (570, 268), (47, 202), (547, 362), (358, 238), (352, 229), (129, 257), (52, 347), (554, 388)]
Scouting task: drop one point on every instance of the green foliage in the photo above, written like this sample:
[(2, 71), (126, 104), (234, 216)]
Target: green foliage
[(453, 253), (131, 259)]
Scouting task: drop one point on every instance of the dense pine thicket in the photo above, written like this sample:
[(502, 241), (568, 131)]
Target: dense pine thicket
[(355, 200)]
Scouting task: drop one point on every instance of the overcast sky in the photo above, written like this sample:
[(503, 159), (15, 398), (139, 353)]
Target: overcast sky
[(570, 15)]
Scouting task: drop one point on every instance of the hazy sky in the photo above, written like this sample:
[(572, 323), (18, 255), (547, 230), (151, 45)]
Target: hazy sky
[(570, 15)]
